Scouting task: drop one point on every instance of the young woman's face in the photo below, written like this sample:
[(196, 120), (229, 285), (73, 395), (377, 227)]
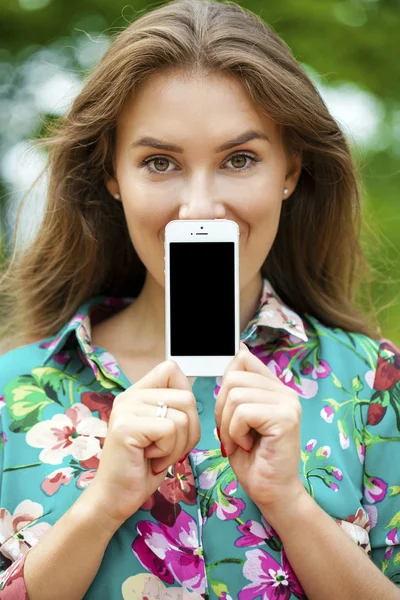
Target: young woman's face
[(195, 177)]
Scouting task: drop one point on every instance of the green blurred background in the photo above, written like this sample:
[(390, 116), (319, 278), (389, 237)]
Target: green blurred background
[(350, 48)]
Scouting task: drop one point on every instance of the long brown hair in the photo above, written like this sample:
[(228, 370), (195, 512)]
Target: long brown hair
[(83, 246)]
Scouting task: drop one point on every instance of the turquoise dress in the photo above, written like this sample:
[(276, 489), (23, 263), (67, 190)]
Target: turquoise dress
[(199, 536)]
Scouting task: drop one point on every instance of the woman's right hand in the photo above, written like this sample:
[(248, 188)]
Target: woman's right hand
[(140, 446)]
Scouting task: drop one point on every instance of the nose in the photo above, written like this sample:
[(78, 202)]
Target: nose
[(199, 201)]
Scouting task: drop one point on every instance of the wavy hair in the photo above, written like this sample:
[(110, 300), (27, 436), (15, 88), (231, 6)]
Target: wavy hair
[(83, 246)]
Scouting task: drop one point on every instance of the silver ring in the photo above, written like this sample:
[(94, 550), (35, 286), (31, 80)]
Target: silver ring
[(162, 409)]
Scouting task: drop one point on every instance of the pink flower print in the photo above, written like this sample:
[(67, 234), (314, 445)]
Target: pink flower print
[(319, 371), (84, 335), (76, 320), (74, 433), (109, 363), (311, 445), (334, 486), (62, 358), (86, 478), (360, 451), (149, 587), (52, 344), (327, 413), (388, 552), (13, 576), (275, 314), (324, 451), (279, 367), (16, 537), (370, 378), (372, 513), (337, 473), (88, 362), (228, 507), (357, 527), (2, 402), (208, 479), (392, 537), (268, 578), (56, 479), (172, 553), (254, 533), (199, 456), (344, 440), (374, 489)]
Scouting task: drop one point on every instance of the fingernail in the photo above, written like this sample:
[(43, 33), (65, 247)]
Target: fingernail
[(155, 472), (218, 433), (184, 458), (223, 451)]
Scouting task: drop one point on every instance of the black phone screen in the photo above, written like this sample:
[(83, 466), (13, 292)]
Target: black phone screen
[(202, 298)]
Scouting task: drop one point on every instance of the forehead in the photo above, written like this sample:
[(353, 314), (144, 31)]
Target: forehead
[(179, 102)]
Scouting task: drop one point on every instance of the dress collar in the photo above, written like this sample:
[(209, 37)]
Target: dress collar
[(272, 318)]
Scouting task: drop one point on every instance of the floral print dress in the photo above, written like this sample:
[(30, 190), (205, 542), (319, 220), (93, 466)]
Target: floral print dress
[(199, 536)]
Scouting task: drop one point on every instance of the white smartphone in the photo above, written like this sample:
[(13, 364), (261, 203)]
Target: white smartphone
[(202, 312)]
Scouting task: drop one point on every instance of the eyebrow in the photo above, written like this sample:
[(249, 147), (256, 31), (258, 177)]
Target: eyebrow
[(238, 141)]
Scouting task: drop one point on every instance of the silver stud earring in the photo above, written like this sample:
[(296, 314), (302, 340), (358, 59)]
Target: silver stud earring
[(117, 196), (285, 191)]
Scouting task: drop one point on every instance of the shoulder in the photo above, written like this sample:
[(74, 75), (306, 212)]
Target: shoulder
[(20, 361), (379, 357), (338, 344)]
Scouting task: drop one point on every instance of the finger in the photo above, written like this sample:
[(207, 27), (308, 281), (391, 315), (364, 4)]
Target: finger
[(165, 375), (146, 430), (237, 379), (181, 420), (161, 434), (236, 397), (246, 361), (271, 420), (180, 400)]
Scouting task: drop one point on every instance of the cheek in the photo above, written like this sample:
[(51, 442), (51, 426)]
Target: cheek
[(261, 206)]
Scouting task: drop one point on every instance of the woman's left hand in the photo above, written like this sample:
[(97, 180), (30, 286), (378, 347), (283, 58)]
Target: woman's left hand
[(258, 419)]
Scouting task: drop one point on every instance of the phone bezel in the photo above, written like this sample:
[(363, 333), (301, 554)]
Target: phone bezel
[(214, 230)]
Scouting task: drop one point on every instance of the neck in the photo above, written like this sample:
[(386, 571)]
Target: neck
[(148, 312)]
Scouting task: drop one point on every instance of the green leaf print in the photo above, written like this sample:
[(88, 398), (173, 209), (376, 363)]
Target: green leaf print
[(27, 396), (395, 522), (394, 490), (304, 456), (335, 405), (219, 588), (343, 427), (357, 385), (336, 381)]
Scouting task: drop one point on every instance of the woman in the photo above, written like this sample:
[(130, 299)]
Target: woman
[(277, 480)]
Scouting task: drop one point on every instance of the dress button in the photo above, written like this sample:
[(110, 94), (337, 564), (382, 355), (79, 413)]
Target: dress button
[(199, 406)]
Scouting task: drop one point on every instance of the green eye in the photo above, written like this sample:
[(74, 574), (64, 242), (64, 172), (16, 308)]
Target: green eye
[(158, 165)]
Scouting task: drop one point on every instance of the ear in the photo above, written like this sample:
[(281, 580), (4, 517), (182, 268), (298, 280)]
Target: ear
[(111, 185), (295, 162)]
